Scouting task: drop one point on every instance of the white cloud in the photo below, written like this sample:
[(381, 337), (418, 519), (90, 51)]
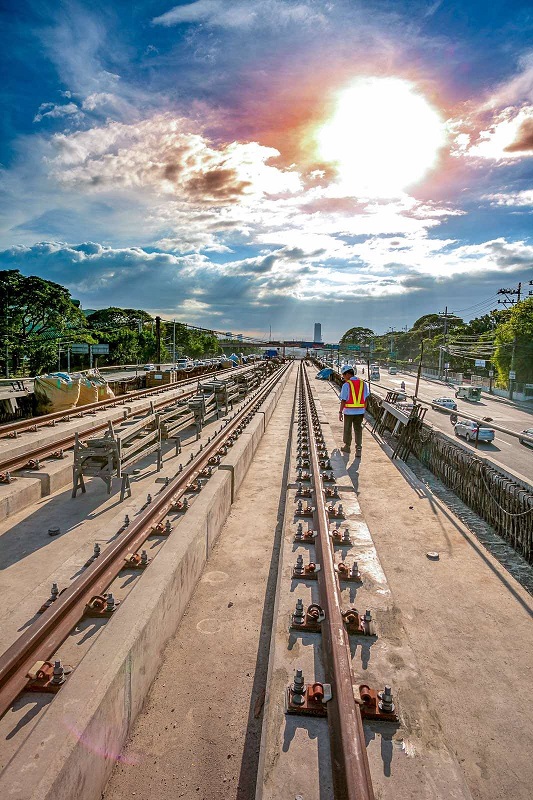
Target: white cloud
[(165, 155), (56, 111), (240, 14), (510, 135), (523, 198)]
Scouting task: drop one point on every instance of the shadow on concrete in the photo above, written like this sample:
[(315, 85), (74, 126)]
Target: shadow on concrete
[(36, 702), (250, 758), (386, 731), (364, 644)]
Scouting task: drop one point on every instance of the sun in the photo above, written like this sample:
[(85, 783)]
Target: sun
[(383, 137)]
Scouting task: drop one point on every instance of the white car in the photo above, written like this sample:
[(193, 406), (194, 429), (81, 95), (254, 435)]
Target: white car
[(527, 432), (444, 402), (469, 429), (149, 367)]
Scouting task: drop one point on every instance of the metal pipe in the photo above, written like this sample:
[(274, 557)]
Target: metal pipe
[(352, 780)]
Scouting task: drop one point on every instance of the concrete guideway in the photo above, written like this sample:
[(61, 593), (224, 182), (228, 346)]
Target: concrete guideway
[(470, 624), (450, 634), (53, 474), (151, 619)]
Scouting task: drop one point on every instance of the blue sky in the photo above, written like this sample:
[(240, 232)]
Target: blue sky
[(243, 164)]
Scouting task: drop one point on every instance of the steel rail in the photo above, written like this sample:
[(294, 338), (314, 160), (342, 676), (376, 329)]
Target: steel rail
[(42, 639), (38, 453), (352, 778), (23, 424)]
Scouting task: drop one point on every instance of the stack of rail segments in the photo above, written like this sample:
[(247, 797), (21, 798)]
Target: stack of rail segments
[(175, 419), (108, 457)]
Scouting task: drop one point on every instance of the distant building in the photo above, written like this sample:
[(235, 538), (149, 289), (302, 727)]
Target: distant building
[(318, 332)]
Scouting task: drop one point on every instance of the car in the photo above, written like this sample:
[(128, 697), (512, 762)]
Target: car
[(469, 429), (444, 402), (149, 367), (527, 432), (393, 370)]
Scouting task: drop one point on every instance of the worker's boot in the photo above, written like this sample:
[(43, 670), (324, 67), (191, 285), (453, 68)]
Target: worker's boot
[(358, 451)]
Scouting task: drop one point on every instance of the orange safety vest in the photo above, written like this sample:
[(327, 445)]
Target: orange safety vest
[(357, 388)]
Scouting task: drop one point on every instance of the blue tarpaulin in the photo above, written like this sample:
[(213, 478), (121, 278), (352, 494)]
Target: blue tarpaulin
[(325, 374)]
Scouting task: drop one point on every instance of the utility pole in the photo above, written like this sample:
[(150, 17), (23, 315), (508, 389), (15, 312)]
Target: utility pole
[(442, 348), (173, 342), (419, 369), (508, 301), (158, 341)]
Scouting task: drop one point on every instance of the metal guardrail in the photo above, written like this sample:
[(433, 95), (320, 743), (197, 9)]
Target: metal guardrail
[(505, 504)]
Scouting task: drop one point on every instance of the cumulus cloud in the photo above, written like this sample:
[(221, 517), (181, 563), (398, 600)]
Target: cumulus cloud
[(524, 137), (163, 154), (243, 14), (55, 111), (523, 198), (500, 127)]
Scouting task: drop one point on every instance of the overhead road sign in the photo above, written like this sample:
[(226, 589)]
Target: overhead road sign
[(100, 349), (79, 348), (479, 362), (352, 347)]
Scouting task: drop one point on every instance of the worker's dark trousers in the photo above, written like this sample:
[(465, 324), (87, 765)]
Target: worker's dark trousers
[(354, 421)]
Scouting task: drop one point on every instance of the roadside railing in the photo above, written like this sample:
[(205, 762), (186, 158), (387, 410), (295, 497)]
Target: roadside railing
[(505, 504)]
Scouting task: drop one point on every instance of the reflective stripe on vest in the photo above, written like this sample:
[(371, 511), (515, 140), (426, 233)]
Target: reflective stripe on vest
[(356, 394)]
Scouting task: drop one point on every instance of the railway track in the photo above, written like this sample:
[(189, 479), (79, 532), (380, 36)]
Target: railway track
[(334, 697), (29, 662), (37, 453)]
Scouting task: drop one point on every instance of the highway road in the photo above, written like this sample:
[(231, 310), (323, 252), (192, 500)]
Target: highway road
[(505, 450)]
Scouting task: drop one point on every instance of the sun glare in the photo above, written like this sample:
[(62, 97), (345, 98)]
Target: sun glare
[(383, 137)]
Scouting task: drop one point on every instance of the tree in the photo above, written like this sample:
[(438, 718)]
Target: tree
[(360, 336), (37, 313), (514, 344), (114, 317)]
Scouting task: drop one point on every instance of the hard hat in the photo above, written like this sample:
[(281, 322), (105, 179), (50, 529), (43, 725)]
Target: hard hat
[(346, 368)]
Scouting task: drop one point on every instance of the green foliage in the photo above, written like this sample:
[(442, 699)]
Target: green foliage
[(360, 336), (36, 314), (515, 336)]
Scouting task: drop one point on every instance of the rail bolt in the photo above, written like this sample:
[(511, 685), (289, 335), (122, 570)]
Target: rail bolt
[(110, 602), (346, 537), (126, 521), (298, 616), (96, 550), (299, 568), (144, 557), (298, 688), (168, 527), (54, 592), (58, 674), (385, 701), (148, 499)]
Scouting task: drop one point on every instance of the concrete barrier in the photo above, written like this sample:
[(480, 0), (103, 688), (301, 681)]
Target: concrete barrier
[(17, 495), (73, 748)]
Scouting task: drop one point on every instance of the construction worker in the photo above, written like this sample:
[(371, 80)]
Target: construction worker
[(353, 399)]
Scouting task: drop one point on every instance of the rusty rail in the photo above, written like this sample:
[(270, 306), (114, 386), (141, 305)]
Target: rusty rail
[(67, 442), (45, 419), (41, 640), (352, 779)]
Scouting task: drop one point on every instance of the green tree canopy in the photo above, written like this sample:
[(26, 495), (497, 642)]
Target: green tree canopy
[(114, 317), (360, 336), (514, 344), (36, 314)]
